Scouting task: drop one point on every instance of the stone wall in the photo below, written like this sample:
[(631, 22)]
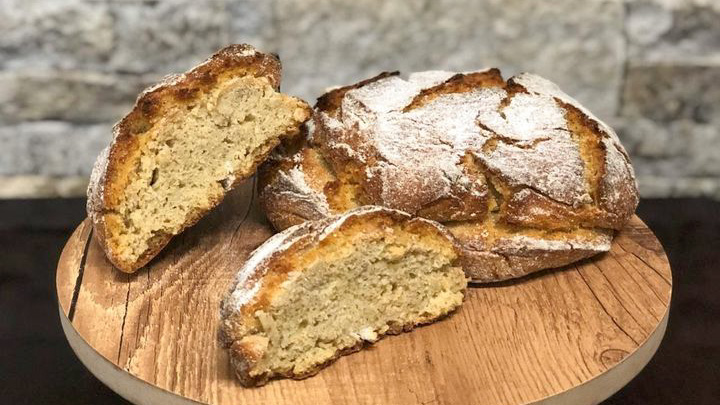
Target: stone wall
[(69, 69)]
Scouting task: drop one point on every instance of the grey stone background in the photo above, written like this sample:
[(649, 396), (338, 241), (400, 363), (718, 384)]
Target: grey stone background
[(69, 69)]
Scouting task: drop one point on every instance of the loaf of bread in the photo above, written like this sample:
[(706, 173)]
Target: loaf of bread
[(328, 287), (521, 174), (187, 141)]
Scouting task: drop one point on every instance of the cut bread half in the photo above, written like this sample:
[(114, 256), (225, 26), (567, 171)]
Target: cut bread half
[(328, 287), (186, 143)]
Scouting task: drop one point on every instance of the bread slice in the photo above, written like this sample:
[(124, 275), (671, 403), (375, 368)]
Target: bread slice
[(328, 287), (186, 143)]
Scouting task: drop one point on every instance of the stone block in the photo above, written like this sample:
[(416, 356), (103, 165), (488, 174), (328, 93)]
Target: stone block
[(680, 149), (678, 32), (686, 187), (667, 93), (51, 148), (654, 186), (696, 187), (251, 22), (76, 96), (49, 33), (166, 36), (37, 186), (110, 36), (325, 43)]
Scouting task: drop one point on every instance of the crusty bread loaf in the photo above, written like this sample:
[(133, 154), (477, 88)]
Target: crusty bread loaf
[(325, 288), (522, 174), (187, 141)]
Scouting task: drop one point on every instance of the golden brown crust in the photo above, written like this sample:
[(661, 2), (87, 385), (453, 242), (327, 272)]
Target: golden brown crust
[(497, 173), (244, 355), (112, 170), (500, 252), (331, 100), (276, 186), (459, 83), (486, 267)]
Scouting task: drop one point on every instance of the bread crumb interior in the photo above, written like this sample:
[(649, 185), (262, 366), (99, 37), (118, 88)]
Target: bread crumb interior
[(190, 156), (354, 290)]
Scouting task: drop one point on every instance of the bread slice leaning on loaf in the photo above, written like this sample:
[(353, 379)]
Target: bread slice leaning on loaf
[(328, 287), (187, 141), (520, 173)]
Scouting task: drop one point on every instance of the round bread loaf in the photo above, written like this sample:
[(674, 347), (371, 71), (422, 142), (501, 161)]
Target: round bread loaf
[(522, 175)]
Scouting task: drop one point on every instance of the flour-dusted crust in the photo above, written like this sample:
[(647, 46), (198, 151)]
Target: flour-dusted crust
[(518, 255), (110, 171), (265, 271), (523, 175)]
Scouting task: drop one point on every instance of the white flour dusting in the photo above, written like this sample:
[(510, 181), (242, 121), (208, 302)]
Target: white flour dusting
[(421, 150), (415, 158), (294, 181)]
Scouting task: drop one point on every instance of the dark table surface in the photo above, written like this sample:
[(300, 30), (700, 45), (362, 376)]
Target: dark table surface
[(38, 367)]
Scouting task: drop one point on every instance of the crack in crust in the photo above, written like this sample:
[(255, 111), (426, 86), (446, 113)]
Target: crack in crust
[(459, 83), (516, 158)]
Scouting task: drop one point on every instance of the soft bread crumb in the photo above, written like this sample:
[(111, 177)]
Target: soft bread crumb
[(190, 157)]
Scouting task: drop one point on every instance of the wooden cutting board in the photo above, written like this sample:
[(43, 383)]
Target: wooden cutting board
[(570, 336)]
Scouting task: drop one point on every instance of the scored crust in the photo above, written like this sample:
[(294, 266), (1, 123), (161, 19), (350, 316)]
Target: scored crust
[(110, 172), (264, 274), (523, 175)]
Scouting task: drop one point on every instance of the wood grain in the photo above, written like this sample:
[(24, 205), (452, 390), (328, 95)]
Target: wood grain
[(512, 342)]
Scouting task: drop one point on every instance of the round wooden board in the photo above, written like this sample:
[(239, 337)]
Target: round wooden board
[(569, 336)]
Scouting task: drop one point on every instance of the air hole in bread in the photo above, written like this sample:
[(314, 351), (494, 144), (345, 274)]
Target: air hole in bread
[(154, 177)]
